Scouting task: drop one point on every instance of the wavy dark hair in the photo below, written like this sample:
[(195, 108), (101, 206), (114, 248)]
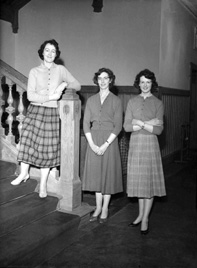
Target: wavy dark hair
[(111, 75), (149, 75), (52, 42)]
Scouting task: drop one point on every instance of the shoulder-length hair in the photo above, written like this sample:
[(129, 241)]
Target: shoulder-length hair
[(149, 75), (111, 75), (52, 42)]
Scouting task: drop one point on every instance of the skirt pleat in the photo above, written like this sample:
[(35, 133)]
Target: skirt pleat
[(40, 137), (145, 177)]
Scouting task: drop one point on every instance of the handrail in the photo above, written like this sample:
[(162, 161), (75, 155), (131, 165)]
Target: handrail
[(14, 75)]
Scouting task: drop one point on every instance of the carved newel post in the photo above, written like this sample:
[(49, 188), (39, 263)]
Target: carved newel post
[(70, 183)]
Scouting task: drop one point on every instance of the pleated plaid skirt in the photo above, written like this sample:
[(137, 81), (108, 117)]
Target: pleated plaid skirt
[(145, 177), (40, 137)]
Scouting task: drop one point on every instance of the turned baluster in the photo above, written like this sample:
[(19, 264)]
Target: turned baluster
[(10, 109), (2, 102), (20, 117)]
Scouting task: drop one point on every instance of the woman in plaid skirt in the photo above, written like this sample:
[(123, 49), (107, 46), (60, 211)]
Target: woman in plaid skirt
[(144, 118), (40, 142)]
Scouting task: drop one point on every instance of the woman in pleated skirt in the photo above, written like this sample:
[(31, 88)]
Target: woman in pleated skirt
[(144, 119), (40, 139)]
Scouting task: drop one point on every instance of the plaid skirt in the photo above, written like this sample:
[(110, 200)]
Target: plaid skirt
[(40, 137), (145, 177)]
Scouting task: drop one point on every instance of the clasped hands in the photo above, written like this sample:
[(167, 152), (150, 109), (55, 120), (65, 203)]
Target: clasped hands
[(99, 150)]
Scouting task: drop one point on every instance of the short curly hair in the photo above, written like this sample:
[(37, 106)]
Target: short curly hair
[(149, 75), (111, 75), (52, 42)]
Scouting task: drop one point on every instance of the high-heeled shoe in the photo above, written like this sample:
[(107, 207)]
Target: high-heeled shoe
[(145, 232), (42, 194), (132, 224), (18, 180), (103, 220), (93, 218)]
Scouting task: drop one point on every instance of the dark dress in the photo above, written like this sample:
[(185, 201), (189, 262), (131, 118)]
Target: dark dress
[(103, 173), (145, 177)]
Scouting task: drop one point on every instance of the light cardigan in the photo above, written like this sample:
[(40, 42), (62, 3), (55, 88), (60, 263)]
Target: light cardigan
[(43, 82)]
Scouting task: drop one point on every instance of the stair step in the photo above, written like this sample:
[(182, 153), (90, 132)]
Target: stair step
[(9, 192), (7, 169), (21, 245), (21, 211)]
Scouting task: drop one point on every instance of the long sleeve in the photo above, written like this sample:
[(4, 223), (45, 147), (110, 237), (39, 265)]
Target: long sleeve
[(157, 130), (128, 127), (118, 118), (87, 117), (70, 79)]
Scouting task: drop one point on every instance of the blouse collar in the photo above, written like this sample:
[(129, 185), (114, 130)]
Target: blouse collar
[(44, 67)]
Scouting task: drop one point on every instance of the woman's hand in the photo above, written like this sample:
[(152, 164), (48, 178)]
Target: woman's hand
[(103, 148), (55, 96), (61, 87), (58, 91), (94, 148), (138, 122)]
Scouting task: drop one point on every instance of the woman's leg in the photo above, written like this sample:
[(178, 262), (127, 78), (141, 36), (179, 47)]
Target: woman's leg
[(43, 182), (106, 200), (148, 202), (141, 203), (99, 201), (23, 176)]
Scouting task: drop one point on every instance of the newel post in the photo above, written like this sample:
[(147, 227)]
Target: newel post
[(70, 183)]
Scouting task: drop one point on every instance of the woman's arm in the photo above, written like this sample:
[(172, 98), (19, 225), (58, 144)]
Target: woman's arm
[(130, 124), (86, 127), (71, 81), (117, 127), (92, 145), (75, 85), (154, 122)]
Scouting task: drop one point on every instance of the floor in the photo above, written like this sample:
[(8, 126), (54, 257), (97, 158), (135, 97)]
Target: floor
[(171, 242)]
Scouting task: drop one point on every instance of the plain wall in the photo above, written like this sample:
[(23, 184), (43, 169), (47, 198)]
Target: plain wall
[(127, 36), (123, 37), (176, 47)]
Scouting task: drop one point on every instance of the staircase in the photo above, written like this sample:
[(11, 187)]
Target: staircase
[(31, 229)]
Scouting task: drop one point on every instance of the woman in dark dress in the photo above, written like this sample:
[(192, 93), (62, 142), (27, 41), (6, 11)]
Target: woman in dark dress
[(144, 118), (102, 124)]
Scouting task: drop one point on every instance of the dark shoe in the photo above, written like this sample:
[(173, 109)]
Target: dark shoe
[(145, 232), (131, 224), (102, 220), (93, 218)]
